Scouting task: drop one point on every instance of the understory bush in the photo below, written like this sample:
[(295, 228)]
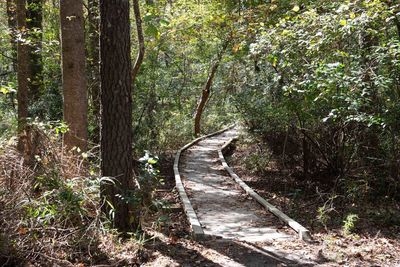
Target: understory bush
[(50, 206), (324, 94)]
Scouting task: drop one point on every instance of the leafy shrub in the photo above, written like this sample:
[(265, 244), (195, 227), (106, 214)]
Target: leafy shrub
[(326, 82), (349, 223), (47, 201)]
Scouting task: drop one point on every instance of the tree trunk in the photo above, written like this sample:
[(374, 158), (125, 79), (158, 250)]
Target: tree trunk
[(206, 91), (139, 29), (94, 66), (22, 72), (116, 117), (12, 26), (35, 29), (73, 73), (200, 107)]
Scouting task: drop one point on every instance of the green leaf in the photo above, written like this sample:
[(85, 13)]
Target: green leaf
[(152, 31), (164, 22), (148, 17), (152, 161), (4, 90)]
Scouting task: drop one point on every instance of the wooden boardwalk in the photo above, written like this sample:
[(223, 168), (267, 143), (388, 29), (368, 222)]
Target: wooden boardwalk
[(223, 209)]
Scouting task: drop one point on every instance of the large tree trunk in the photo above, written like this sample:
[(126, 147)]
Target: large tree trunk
[(12, 26), (22, 72), (116, 117), (206, 91), (73, 73), (35, 29)]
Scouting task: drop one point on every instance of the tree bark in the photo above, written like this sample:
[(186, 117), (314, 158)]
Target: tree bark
[(35, 29), (116, 117), (139, 29), (94, 65), (73, 73), (22, 71), (206, 91)]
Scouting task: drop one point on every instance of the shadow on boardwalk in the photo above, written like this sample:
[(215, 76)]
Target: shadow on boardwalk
[(223, 252)]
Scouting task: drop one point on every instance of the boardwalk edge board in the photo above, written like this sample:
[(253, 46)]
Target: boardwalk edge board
[(197, 230), (304, 234)]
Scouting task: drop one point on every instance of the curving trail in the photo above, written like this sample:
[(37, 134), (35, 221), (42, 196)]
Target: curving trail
[(222, 207)]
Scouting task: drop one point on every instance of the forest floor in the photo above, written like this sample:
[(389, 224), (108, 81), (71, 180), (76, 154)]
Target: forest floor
[(373, 239), (369, 244)]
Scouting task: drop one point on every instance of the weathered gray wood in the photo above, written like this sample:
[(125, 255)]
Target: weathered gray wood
[(197, 231), (304, 234)]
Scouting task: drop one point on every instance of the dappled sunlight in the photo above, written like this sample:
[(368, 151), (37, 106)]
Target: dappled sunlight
[(221, 252), (222, 208), (199, 133)]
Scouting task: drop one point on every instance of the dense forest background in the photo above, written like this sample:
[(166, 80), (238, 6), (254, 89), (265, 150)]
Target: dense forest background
[(315, 84)]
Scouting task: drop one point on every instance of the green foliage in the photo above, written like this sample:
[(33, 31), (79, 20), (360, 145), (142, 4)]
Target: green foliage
[(149, 178), (349, 223), (326, 72), (182, 41), (356, 189), (318, 81), (258, 161), (324, 213), (61, 201)]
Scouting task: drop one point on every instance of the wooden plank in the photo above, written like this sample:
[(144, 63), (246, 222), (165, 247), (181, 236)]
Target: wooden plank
[(304, 234)]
